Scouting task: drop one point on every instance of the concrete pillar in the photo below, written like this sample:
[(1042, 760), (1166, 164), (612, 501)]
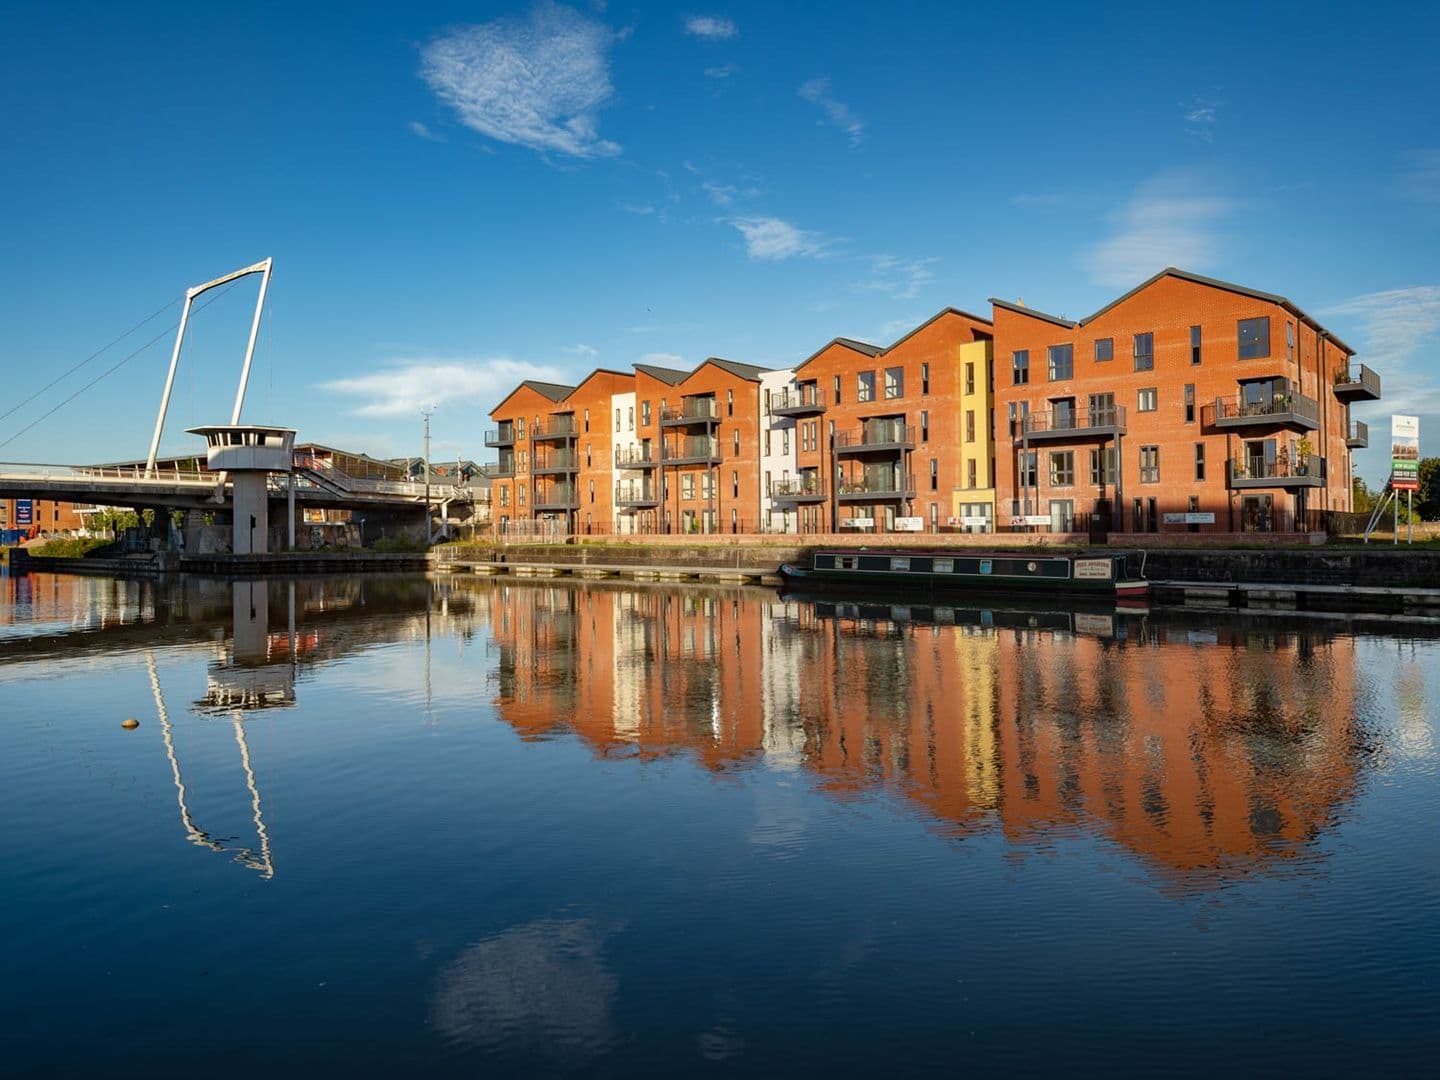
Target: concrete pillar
[(252, 514)]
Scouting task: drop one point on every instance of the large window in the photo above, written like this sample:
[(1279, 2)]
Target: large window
[(1020, 367), (1102, 466), (1145, 400), (1062, 362), (865, 386), (1254, 337), (1144, 352), (1104, 348), (645, 413), (1149, 464), (1194, 344), (1062, 468), (1029, 466), (894, 382)]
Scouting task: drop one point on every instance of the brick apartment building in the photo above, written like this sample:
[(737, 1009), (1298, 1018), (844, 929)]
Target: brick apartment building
[(1187, 403)]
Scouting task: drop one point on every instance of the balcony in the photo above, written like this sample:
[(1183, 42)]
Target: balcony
[(1070, 425), (635, 457), (557, 497), (1255, 472), (636, 496), (695, 450), (890, 436), (876, 489), (803, 489), (701, 410), (1359, 435), (556, 429), (1357, 383), (499, 470), (1281, 410), (805, 400), (561, 461), (503, 436)]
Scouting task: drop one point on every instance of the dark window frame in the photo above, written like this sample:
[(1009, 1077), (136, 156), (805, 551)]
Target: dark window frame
[(1252, 345)]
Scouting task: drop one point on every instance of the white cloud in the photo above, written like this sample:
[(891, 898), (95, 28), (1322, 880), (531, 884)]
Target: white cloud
[(771, 239), (585, 352), (1421, 178), (901, 278), (419, 129), (534, 82), (720, 194), (663, 359), (407, 386), (711, 27), (817, 92), (1168, 222), (723, 71), (1201, 114)]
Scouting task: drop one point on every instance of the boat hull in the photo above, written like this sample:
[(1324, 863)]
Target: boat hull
[(1106, 574)]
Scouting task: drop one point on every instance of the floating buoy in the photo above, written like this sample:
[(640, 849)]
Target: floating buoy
[(130, 724)]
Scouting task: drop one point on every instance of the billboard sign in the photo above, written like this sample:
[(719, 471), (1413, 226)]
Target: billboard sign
[(1405, 453), (24, 511)]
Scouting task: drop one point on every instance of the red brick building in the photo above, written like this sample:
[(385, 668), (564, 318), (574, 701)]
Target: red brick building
[(1188, 403)]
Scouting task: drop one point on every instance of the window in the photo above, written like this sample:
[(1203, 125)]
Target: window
[(865, 386), (1062, 468), (1144, 352), (630, 417), (837, 389), (1289, 340), (687, 485), (1194, 345), (894, 382), (1062, 413), (1029, 468), (924, 425), (1102, 410), (1102, 466), (767, 440), (1199, 461), (729, 402), (592, 491), (521, 494), (1145, 400), (934, 475), (784, 440), (969, 377), (645, 413), (520, 427), (1189, 403), (1062, 362), (734, 484), (617, 421), (505, 495), (924, 378), (1104, 349), (1020, 367), (785, 450), (969, 425), (1149, 464), (970, 471), (1254, 335), (1019, 410), (587, 455), (899, 564)]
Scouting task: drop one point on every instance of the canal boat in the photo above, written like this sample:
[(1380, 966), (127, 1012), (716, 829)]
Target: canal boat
[(1118, 575)]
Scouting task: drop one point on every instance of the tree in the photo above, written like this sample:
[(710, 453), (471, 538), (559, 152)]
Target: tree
[(1427, 499)]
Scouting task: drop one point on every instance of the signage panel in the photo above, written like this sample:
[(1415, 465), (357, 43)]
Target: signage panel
[(1030, 519), (909, 524), (24, 512), (1405, 453), (1092, 569), (1195, 518), (857, 523)]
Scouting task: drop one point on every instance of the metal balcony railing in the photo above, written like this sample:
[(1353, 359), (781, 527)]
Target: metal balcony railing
[(557, 427), (876, 435), (1358, 436), (636, 495), (876, 487), (1066, 423), (696, 448), (561, 461), (504, 435), (691, 411), (1283, 409), (799, 488), (1356, 382), (1259, 472), (798, 401), (635, 457)]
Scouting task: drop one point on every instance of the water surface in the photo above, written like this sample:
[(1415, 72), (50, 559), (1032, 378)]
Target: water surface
[(461, 826)]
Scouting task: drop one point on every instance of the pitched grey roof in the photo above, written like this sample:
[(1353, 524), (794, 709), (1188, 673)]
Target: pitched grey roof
[(744, 371), (554, 391), (1023, 310), (664, 374), (858, 346), (938, 315)]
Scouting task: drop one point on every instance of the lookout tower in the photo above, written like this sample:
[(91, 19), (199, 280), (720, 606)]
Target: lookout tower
[(249, 453)]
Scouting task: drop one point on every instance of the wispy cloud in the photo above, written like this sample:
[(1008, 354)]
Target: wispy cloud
[(900, 278), (1201, 113), (535, 81), (720, 194), (1398, 331), (723, 71), (1420, 179), (406, 386), (771, 240), (585, 352), (420, 130), (1168, 222), (710, 26), (817, 92), (663, 359)]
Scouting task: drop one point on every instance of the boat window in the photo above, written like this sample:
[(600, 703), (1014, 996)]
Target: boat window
[(847, 562), (900, 564), (944, 566), (984, 566)]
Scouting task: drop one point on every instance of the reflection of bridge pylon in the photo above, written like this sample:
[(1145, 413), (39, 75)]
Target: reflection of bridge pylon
[(261, 861)]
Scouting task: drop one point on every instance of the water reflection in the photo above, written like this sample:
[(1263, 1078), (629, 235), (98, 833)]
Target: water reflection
[(1211, 749)]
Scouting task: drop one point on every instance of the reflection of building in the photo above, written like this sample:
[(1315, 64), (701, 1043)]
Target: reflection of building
[(1199, 755)]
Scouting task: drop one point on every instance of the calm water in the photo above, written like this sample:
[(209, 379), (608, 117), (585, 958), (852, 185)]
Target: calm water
[(387, 824)]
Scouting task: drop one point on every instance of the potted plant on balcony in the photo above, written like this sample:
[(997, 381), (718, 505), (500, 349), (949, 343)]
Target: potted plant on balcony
[(1303, 449)]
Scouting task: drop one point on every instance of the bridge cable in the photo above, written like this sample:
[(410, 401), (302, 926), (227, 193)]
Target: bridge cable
[(92, 356), (114, 367)]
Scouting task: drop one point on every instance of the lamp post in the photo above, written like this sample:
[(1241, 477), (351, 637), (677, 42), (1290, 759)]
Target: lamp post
[(426, 414)]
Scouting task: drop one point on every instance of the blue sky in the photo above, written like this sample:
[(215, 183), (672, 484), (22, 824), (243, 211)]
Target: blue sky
[(460, 195)]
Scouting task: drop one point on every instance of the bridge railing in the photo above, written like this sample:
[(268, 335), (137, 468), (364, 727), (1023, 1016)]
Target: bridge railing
[(117, 474)]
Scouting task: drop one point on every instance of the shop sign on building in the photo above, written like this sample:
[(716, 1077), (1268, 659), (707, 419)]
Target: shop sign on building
[(909, 524), (24, 512), (1196, 518)]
